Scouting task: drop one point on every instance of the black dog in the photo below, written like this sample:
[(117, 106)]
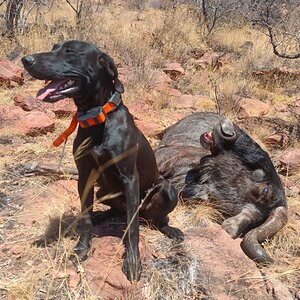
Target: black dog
[(108, 148)]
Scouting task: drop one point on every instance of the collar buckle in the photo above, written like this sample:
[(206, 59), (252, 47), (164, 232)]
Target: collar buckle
[(92, 117)]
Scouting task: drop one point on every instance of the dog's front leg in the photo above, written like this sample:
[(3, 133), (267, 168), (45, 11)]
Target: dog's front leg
[(86, 193), (132, 261)]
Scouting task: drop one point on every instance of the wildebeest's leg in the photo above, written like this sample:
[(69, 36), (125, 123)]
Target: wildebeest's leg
[(86, 193), (250, 244), (234, 226), (130, 180), (159, 202)]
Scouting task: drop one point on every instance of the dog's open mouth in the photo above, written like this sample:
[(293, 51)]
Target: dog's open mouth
[(58, 89)]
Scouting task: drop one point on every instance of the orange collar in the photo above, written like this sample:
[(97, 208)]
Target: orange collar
[(92, 117)]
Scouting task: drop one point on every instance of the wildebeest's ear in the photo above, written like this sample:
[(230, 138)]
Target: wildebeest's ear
[(109, 65)]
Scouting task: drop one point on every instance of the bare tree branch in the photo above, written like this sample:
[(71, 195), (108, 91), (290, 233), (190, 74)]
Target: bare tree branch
[(279, 20), (26, 15), (213, 11), (71, 6), (275, 47)]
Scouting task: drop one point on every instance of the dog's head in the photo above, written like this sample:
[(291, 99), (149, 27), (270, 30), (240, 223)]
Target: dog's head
[(75, 69)]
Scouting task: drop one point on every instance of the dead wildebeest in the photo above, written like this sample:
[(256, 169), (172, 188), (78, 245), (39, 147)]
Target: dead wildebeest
[(209, 158), (108, 149)]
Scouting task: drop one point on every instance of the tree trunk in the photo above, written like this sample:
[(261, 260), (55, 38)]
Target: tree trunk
[(12, 16)]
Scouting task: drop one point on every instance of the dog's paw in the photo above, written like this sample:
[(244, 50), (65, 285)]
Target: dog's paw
[(81, 250), (132, 267), (172, 233), (231, 227)]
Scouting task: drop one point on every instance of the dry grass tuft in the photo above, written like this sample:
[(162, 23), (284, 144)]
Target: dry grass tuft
[(285, 245), (178, 35), (173, 277), (196, 214), (20, 289)]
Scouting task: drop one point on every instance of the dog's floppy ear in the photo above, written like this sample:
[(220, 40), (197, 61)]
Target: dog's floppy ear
[(109, 65)]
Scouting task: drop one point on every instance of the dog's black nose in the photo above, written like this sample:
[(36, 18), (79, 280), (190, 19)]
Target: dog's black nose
[(28, 61)]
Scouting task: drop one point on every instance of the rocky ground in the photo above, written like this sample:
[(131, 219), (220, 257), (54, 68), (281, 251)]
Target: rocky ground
[(38, 211)]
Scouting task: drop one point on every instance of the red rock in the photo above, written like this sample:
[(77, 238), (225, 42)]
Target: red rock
[(103, 268), (281, 107), (74, 280), (184, 101), (278, 140), (290, 160), (37, 123), (61, 108), (224, 59), (174, 70), (161, 79), (226, 272), (10, 73), (15, 119), (149, 128), (277, 73), (209, 60), (146, 119), (140, 110), (278, 290), (196, 53), (167, 91), (29, 103), (250, 107), (17, 249), (73, 277)]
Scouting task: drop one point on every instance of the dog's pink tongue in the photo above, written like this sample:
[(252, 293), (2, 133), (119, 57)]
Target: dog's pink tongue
[(49, 88)]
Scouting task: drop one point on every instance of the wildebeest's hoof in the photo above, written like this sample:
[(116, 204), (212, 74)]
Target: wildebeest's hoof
[(231, 227), (172, 233), (132, 268)]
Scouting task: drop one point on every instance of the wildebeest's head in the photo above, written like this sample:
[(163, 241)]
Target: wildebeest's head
[(237, 171), (75, 69)]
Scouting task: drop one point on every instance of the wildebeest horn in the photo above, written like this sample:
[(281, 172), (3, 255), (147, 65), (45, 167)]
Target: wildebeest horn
[(251, 242), (227, 130)]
